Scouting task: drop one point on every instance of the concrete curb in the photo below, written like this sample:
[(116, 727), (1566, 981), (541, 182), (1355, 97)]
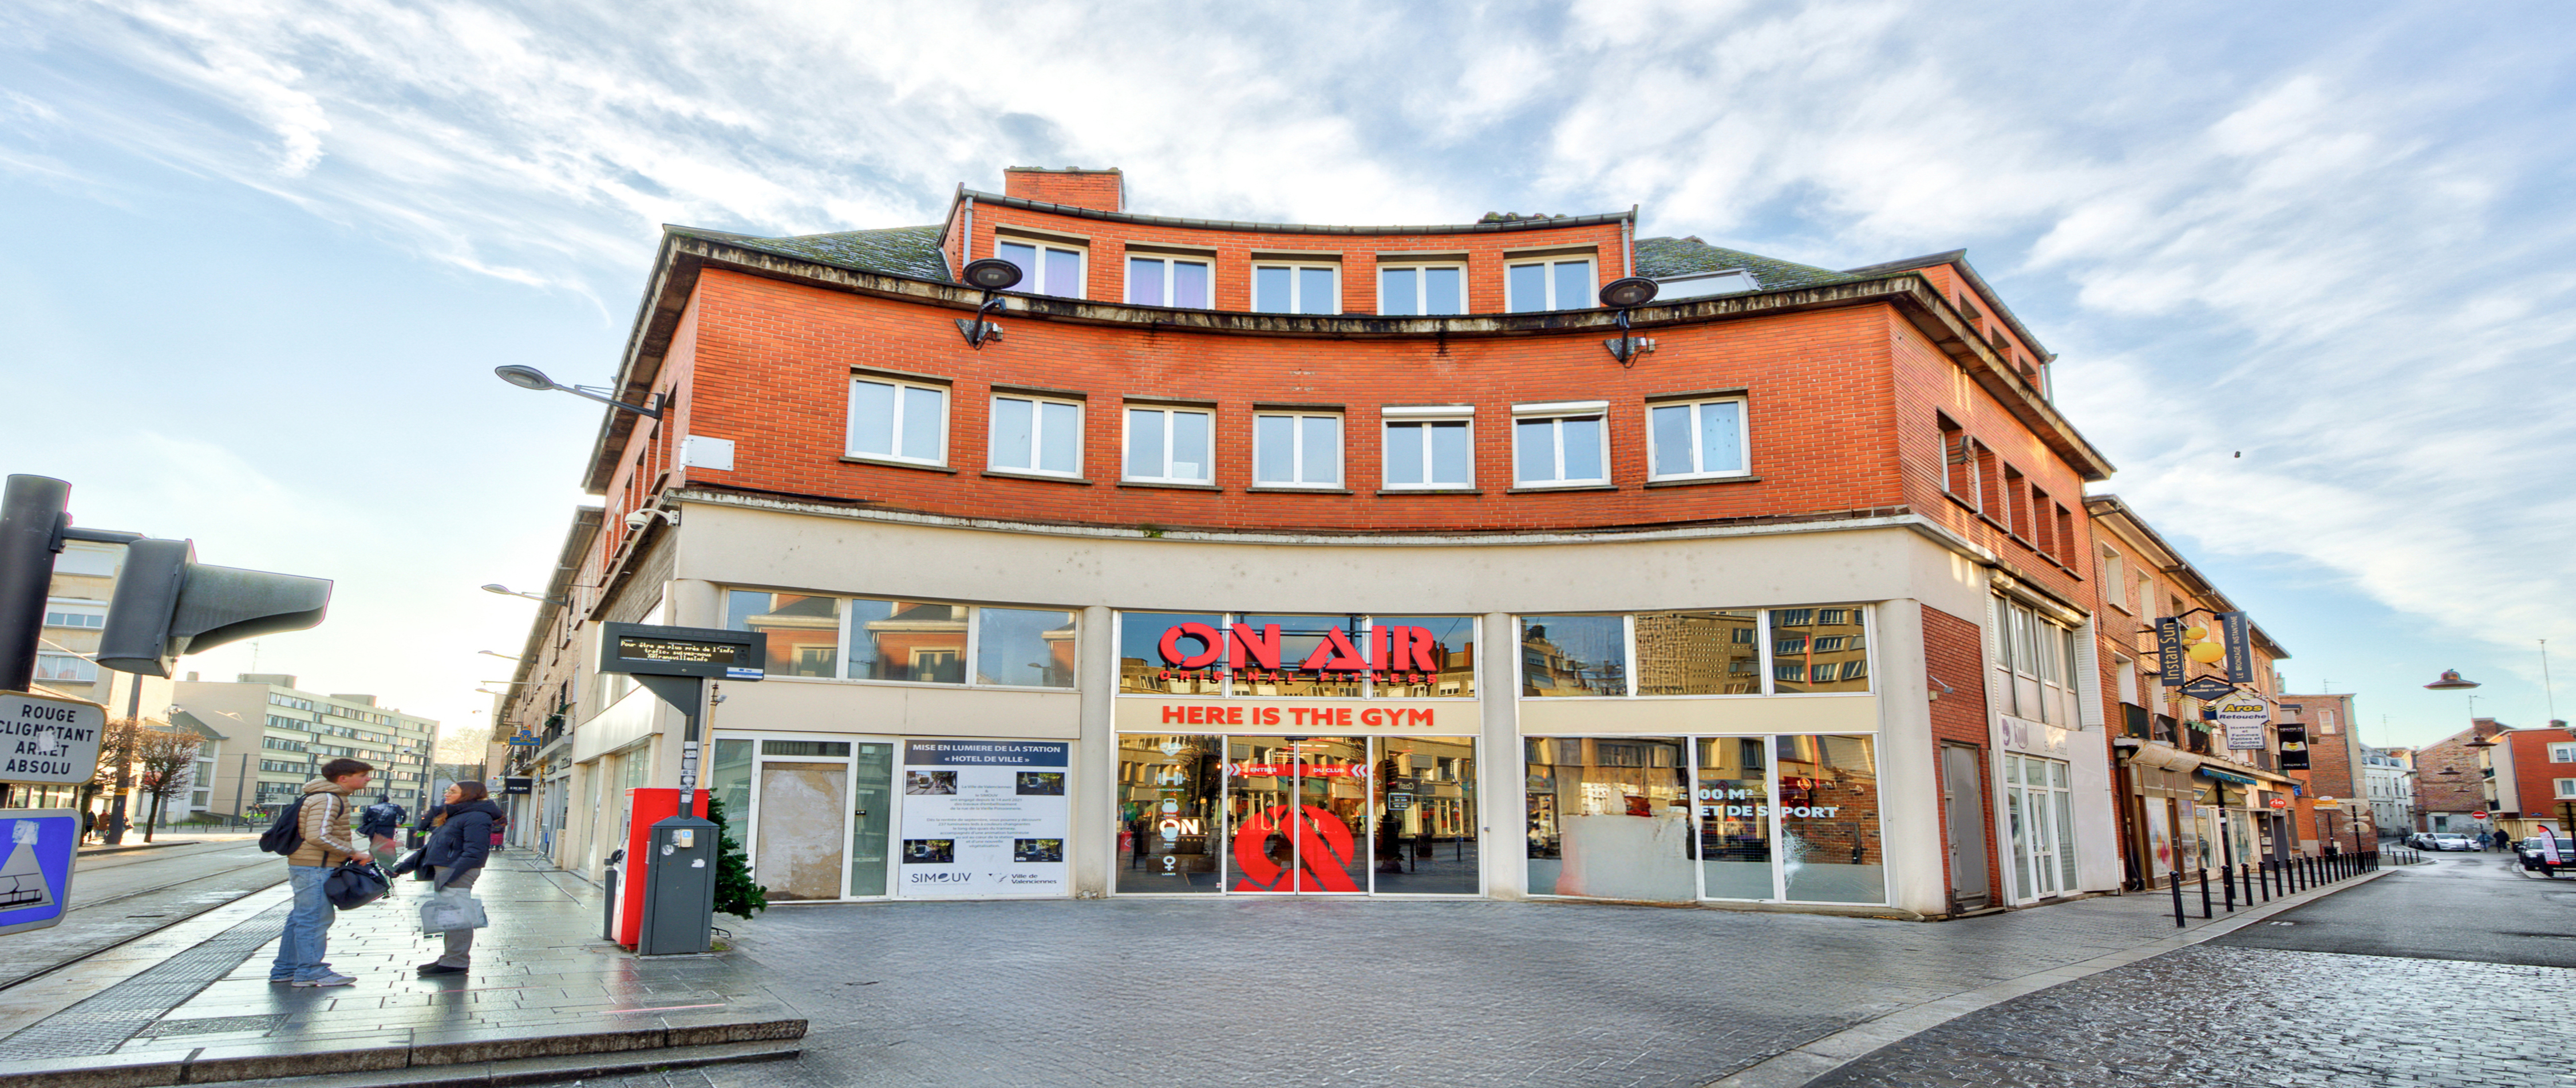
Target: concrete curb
[(674, 1041), (1828, 1053)]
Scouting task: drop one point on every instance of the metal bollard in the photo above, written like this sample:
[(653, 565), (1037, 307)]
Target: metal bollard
[(2204, 892), (2227, 886), (2263, 875), (2174, 881)]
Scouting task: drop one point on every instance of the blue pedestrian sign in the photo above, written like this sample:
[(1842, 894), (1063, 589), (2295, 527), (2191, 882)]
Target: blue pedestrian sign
[(36, 850)]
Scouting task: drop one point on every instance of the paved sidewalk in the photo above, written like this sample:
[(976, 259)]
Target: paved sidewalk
[(540, 970)]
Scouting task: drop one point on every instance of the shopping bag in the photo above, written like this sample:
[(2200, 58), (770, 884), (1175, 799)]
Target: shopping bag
[(452, 908)]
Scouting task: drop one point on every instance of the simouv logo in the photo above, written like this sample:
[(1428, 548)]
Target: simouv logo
[(943, 878)]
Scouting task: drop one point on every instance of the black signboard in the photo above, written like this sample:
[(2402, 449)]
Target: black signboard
[(2236, 633), (2294, 745), (2169, 652), (2208, 687), (516, 786), (679, 651)]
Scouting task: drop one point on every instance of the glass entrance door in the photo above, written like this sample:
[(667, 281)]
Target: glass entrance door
[(2041, 816), (1297, 813)]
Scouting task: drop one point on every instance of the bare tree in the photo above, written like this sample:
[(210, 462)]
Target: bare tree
[(115, 772), (169, 765)]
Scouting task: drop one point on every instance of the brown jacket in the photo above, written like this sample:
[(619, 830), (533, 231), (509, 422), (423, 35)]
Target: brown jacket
[(324, 822)]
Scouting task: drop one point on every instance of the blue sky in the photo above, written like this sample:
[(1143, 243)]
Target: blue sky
[(265, 253)]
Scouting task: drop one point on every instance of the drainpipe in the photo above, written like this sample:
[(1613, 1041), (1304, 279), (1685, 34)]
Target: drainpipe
[(966, 244), (1627, 249)]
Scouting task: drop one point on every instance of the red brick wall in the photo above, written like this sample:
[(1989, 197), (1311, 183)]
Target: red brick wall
[(1099, 190), (1954, 652), (2534, 776), (771, 361), (2462, 792), (1928, 382)]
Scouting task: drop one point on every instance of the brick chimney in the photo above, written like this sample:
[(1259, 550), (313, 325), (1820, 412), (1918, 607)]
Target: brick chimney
[(1099, 190)]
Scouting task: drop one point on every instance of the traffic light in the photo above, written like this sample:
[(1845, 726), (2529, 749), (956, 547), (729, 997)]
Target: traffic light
[(168, 604)]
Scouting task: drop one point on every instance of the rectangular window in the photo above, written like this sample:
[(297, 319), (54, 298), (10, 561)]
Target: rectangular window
[(1560, 444), (1574, 656), (1168, 445), (1422, 290), (1045, 269), (2562, 753), (2014, 510), (1690, 441), (802, 632), (2112, 576), (66, 667), (1550, 285), (1033, 435), (89, 614), (2043, 530), (907, 640), (2567, 787), (1829, 819), (1167, 281), (1296, 450), (1991, 499), (1818, 649), (1698, 653), (1296, 289), (1024, 647), (1592, 805), (1958, 460), (1424, 450), (1729, 282), (898, 420)]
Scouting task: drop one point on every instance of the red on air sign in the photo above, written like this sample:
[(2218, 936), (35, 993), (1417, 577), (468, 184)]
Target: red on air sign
[(1243, 646)]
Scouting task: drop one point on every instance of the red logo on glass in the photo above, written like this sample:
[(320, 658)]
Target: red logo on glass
[(1294, 848)]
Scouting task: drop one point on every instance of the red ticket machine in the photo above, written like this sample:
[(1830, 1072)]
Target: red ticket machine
[(645, 806)]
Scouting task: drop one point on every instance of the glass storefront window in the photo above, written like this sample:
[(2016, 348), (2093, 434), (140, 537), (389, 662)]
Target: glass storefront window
[(1168, 797), (729, 781), (801, 632), (1699, 653), (907, 640), (872, 815), (1425, 801), (1297, 814), (1024, 647), (1734, 819), (1444, 668), (1574, 655), (1301, 640), (1194, 641), (1818, 649), (1830, 850), (1610, 817)]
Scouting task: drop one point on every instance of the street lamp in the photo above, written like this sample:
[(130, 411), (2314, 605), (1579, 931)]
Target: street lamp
[(994, 275), (528, 377), (495, 587), (1623, 295)]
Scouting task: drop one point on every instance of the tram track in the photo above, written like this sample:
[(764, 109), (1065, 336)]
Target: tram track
[(175, 917)]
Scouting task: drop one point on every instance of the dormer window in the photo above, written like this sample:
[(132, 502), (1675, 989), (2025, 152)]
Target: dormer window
[(1045, 269), (1704, 285), (1562, 284)]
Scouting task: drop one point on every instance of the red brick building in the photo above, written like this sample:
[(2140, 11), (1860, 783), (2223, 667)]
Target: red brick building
[(2530, 780), (1358, 560), (2450, 780)]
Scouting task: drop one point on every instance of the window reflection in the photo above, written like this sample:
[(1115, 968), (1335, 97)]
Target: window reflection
[(1299, 640), (1609, 817), (1443, 667), (1573, 655), (1024, 647), (1168, 790), (1190, 662), (907, 640), (801, 633), (1699, 653), (1830, 848), (1734, 819), (1425, 800), (1818, 649)]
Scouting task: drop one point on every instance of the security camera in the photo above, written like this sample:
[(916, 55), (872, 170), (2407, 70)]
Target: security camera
[(635, 522)]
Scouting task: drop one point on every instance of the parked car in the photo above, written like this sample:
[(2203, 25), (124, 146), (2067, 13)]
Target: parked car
[(2421, 840), (2528, 851), (2448, 841)]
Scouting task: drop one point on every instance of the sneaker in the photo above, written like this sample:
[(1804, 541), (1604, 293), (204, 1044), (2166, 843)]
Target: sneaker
[(327, 980)]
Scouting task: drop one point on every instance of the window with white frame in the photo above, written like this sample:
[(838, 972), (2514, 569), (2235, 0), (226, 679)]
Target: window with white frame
[(1560, 444), (1421, 290), (2567, 787), (2111, 576), (2033, 662), (65, 667), (1696, 439), (1297, 449), (2562, 753), (1169, 445), (1296, 288), (62, 613), (898, 420), (1429, 446), (1563, 283), (1046, 268), (1037, 434), (1168, 281)]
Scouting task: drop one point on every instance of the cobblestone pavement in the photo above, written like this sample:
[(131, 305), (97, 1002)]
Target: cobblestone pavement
[(2453, 974), (1359, 992), (2219, 1015)]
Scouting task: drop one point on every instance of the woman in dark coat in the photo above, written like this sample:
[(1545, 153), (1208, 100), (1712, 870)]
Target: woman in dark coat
[(454, 859)]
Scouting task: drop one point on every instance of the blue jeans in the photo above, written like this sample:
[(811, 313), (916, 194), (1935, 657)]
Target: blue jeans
[(308, 925)]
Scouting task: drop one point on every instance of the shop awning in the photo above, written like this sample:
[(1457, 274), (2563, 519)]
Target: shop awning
[(2229, 776)]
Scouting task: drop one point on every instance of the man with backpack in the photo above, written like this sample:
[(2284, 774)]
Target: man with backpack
[(315, 835)]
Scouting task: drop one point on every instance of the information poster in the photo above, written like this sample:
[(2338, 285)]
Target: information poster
[(984, 817)]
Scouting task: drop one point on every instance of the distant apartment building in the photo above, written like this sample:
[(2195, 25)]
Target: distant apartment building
[(2389, 786), (277, 736)]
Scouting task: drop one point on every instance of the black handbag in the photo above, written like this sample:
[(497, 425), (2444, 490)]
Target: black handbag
[(410, 861), (355, 884)]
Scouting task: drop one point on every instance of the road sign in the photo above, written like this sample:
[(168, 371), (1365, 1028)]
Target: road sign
[(2477, 815), (2280, 802), (2208, 687), (36, 868), (2244, 717), (49, 740)]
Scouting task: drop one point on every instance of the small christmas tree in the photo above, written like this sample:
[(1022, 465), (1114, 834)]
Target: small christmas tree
[(736, 894)]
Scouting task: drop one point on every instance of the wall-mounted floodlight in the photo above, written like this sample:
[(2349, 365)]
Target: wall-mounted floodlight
[(992, 274), (528, 377), (506, 591), (1624, 294)]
